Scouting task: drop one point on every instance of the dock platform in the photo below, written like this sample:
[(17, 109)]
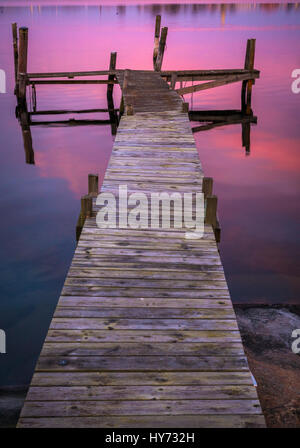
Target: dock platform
[(144, 333)]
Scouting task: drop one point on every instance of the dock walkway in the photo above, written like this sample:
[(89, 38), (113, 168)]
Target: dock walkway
[(144, 333)]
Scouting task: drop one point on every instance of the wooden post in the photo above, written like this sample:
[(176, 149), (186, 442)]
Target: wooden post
[(93, 185), (112, 66), (211, 210), (156, 38), (22, 63), (86, 206), (85, 212), (161, 49), (246, 93), (173, 81), (79, 226), (185, 107), (15, 47), (129, 109), (113, 116), (121, 111), (207, 186), (125, 80)]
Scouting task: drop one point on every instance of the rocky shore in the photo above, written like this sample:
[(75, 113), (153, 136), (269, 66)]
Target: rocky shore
[(266, 332)]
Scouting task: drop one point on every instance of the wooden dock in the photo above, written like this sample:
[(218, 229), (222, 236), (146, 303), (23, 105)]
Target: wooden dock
[(144, 333)]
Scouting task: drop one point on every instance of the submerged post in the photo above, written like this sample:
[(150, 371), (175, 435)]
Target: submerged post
[(15, 48), (161, 49), (22, 63), (156, 38)]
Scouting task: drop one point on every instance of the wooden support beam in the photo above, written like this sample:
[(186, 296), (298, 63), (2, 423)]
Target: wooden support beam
[(71, 122), (68, 111), (218, 83), (211, 210), (15, 48), (207, 186), (161, 49), (22, 63), (204, 75), (71, 74), (74, 81), (156, 38), (93, 187)]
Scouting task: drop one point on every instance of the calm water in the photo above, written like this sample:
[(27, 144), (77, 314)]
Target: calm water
[(258, 194)]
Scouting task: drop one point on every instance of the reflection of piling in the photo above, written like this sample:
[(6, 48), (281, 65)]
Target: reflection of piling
[(22, 64), (246, 137), (26, 134)]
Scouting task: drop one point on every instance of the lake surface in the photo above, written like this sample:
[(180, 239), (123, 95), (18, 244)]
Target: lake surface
[(258, 194)]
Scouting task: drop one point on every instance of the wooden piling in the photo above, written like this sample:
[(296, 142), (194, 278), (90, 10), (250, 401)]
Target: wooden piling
[(15, 48), (161, 49), (185, 107), (93, 187), (207, 186), (86, 206), (211, 210), (22, 63), (246, 92), (113, 116), (156, 38), (129, 109), (112, 66), (173, 81)]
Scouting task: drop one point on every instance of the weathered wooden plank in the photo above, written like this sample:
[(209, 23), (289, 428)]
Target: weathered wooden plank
[(143, 407), (82, 323), (138, 336), (133, 302), (142, 313), (120, 393), (156, 421), (142, 349), (196, 378)]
